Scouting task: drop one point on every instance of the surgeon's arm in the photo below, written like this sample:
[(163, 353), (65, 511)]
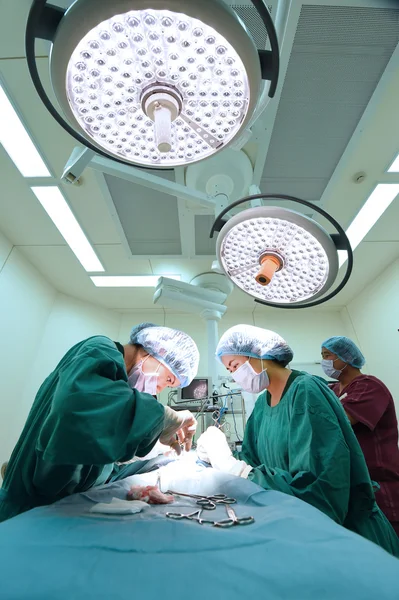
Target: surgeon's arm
[(96, 418), (319, 461)]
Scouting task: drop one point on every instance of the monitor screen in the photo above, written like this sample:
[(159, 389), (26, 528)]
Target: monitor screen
[(198, 389)]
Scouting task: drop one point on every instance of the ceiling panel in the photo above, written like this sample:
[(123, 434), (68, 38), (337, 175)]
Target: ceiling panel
[(352, 25), (337, 59), (309, 188), (149, 218)]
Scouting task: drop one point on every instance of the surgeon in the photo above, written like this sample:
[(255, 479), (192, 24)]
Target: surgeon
[(370, 408), (97, 409), (297, 440)]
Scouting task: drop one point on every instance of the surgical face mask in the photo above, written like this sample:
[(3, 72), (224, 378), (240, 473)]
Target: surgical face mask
[(144, 382), (249, 380), (330, 370)]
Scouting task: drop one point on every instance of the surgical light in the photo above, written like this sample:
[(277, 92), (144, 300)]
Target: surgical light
[(157, 83), (278, 256)]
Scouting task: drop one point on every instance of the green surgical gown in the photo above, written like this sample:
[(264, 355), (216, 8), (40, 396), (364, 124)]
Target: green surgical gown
[(305, 446), (85, 418)]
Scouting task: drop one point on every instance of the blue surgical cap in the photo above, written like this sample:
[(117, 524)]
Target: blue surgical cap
[(176, 350), (346, 350), (247, 340)]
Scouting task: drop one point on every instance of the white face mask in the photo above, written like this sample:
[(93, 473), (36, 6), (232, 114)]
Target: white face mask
[(249, 380), (144, 382), (329, 370)]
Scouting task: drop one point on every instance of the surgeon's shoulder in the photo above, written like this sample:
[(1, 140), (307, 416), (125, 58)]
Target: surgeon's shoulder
[(371, 383), (101, 346), (311, 392), (99, 341)]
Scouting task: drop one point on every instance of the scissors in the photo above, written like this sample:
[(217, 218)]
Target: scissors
[(233, 519), (207, 502), (194, 516), (224, 524)]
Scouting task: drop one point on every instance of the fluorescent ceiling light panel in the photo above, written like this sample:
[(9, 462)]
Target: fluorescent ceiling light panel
[(130, 280), (17, 142), (394, 168), (376, 204), (54, 203)]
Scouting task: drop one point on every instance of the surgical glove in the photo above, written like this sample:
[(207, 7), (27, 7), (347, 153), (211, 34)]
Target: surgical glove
[(212, 446), (179, 428), (202, 453), (212, 443)]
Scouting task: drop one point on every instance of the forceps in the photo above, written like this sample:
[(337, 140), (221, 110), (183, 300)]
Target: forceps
[(233, 519), (194, 516), (207, 502), (224, 524)]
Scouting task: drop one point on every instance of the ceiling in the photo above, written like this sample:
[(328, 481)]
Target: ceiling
[(334, 115)]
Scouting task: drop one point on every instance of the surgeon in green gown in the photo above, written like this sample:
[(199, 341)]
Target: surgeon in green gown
[(298, 439), (97, 409)]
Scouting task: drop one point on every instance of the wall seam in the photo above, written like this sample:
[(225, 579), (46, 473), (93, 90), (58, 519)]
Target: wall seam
[(7, 258)]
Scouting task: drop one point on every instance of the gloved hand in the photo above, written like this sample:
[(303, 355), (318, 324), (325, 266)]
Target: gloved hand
[(179, 428), (212, 447)]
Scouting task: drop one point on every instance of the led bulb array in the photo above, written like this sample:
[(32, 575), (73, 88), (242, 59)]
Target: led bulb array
[(117, 61), (306, 265)]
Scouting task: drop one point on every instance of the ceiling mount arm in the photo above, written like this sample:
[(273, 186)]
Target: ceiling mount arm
[(49, 20), (269, 59)]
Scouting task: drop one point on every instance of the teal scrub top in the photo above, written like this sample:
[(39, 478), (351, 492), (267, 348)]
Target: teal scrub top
[(305, 446), (85, 417)]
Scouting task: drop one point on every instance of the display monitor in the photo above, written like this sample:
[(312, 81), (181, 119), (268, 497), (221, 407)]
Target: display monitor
[(199, 388)]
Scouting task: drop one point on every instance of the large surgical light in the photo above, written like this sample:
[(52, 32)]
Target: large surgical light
[(281, 257), (157, 83)]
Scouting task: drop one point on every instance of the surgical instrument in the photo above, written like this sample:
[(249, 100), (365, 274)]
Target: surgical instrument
[(233, 519), (194, 516), (207, 502), (223, 524)]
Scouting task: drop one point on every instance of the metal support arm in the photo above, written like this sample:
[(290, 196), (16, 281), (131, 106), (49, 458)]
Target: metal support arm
[(135, 175)]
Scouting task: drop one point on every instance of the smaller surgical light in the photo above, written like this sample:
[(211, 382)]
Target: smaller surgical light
[(278, 256)]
